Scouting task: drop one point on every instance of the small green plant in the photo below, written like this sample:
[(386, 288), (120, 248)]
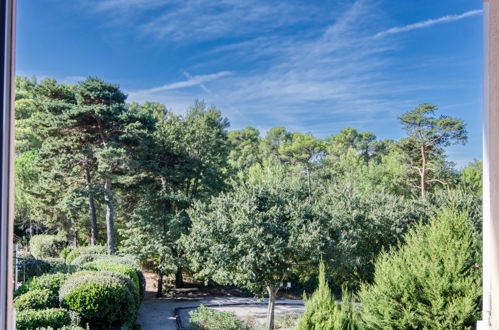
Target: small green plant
[(204, 318), (64, 252), (323, 312), (46, 318), (46, 246), (36, 299), (430, 282), (287, 321)]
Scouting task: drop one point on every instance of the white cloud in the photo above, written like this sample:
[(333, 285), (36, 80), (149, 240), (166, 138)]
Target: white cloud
[(191, 81), (428, 23)]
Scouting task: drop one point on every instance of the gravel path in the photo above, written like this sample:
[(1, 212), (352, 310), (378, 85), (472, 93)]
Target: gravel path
[(159, 314)]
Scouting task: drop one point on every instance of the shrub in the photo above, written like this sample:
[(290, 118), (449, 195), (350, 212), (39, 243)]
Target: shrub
[(323, 312), (36, 299), (83, 259), (430, 282), (128, 271), (46, 246), (51, 282), (46, 318), (98, 249), (103, 299), (206, 319)]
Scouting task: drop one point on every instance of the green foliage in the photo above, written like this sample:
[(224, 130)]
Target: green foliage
[(430, 282), (36, 299), (33, 267), (204, 318), (323, 312), (50, 282), (356, 226), (130, 272), (92, 250), (103, 299), (471, 178), (64, 252), (46, 318), (46, 246)]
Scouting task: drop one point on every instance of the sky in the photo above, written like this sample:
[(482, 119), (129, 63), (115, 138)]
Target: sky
[(312, 66)]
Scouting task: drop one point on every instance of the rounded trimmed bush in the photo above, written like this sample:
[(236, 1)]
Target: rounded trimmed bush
[(46, 318), (36, 299), (103, 299), (128, 271), (51, 282), (46, 246), (98, 249)]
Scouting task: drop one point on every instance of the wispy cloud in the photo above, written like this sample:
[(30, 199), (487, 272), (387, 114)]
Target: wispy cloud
[(428, 23), (182, 21), (191, 81)]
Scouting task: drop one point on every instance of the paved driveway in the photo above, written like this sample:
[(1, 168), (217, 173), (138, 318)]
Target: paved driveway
[(159, 313)]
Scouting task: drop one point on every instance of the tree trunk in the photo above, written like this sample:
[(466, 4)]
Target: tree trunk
[(159, 292), (423, 171), (309, 183), (93, 221), (270, 311), (109, 216), (91, 211), (179, 278), (75, 239)]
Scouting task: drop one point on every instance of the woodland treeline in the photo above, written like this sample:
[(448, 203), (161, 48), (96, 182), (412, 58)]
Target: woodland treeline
[(187, 195)]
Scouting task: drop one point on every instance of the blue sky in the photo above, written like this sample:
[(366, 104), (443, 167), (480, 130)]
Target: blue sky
[(311, 66)]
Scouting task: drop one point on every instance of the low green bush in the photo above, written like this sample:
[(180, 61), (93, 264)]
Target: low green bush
[(206, 319), (430, 282), (55, 318), (46, 246), (98, 249), (51, 282), (103, 299), (36, 299)]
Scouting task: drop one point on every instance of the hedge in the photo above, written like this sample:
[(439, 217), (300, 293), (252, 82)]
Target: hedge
[(103, 299), (51, 282), (98, 249), (46, 318), (36, 299), (128, 271), (46, 246)]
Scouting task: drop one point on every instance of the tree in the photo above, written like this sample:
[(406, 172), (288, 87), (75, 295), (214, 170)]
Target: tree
[(356, 226), (252, 236), (273, 140), (428, 134), (432, 281), (186, 162), (244, 148), (303, 149)]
